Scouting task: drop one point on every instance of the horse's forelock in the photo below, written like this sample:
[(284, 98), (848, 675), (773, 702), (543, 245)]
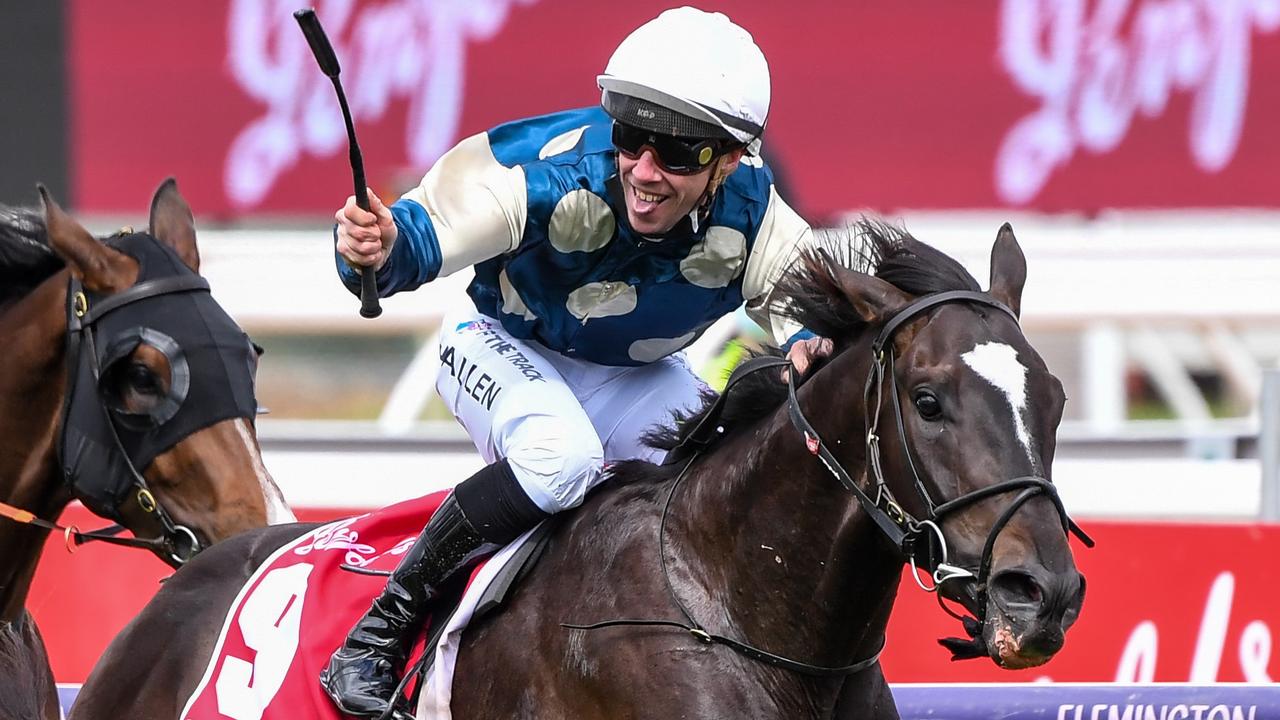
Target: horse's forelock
[(811, 292), (921, 269)]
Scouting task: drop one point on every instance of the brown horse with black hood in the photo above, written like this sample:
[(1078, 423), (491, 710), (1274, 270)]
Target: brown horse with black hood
[(125, 386)]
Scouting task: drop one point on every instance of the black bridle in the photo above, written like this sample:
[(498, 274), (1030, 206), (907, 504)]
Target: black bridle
[(921, 541), (177, 541)]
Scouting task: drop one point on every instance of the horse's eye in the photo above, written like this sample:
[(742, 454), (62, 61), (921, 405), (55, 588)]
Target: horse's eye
[(141, 380), (927, 404)]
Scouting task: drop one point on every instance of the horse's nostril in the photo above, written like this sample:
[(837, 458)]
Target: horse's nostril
[(1014, 588)]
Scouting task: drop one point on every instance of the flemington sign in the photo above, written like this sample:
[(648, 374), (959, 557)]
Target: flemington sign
[(1048, 105), (1088, 702)]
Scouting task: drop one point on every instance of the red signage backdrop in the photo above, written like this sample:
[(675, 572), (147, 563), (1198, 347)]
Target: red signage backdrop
[(1044, 104), (1165, 603)]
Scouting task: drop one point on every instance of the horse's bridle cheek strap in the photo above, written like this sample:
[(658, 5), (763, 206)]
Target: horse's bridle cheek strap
[(88, 437), (921, 541)]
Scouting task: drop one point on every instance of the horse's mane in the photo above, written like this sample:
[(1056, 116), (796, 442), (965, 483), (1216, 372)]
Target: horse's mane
[(811, 295), (22, 686), (26, 260)]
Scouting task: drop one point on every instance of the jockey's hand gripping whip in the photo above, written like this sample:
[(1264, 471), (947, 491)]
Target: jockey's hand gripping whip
[(328, 61)]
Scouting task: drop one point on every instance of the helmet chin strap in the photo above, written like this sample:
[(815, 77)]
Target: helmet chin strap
[(718, 176)]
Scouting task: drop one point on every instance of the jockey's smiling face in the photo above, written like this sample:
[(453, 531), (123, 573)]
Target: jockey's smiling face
[(656, 197)]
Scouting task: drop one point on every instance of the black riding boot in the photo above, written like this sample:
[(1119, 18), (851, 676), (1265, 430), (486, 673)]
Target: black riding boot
[(363, 674)]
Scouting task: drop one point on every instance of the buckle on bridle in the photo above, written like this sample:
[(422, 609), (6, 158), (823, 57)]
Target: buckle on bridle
[(146, 500)]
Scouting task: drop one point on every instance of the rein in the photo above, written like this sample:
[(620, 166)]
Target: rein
[(74, 537), (916, 539), (701, 437)]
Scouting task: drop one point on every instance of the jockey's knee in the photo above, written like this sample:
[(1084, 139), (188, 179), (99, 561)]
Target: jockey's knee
[(557, 475)]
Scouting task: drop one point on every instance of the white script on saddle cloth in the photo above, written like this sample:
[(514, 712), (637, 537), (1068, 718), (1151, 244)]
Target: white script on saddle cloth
[(412, 50), (1253, 649), (1093, 72), (340, 536)]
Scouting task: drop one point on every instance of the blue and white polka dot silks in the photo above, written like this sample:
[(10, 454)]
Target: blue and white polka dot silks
[(536, 206)]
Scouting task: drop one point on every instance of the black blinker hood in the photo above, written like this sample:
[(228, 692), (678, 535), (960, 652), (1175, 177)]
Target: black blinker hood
[(212, 365)]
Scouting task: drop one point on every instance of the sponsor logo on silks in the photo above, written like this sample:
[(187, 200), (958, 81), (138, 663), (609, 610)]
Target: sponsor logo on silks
[(474, 325), (479, 385), (510, 353)]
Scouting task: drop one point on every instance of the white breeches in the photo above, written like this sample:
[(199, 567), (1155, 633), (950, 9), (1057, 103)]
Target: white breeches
[(555, 419)]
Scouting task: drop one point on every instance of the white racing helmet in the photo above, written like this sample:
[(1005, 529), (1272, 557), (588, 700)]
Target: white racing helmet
[(689, 73)]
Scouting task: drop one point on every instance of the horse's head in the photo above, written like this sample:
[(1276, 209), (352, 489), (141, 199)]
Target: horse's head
[(157, 427), (961, 413)]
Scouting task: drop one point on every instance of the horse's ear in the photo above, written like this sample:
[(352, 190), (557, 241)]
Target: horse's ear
[(1008, 270), (99, 268), (173, 224), (875, 300)]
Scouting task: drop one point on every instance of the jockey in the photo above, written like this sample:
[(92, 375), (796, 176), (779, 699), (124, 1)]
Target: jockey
[(604, 240)]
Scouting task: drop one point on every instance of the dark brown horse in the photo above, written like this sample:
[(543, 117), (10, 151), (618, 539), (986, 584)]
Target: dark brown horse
[(113, 355), (751, 581)]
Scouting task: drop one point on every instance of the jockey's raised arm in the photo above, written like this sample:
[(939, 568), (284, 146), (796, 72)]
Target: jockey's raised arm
[(604, 241)]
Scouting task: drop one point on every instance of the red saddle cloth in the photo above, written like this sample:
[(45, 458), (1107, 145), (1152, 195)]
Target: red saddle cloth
[(296, 610)]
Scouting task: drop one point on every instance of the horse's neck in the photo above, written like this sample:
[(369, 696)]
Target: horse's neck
[(30, 396), (782, 550), (22, 544)]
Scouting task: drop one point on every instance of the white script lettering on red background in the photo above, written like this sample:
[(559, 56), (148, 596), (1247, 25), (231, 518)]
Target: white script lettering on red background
[(1096, 64), (405, 50), (340, 536), (1252, 647)]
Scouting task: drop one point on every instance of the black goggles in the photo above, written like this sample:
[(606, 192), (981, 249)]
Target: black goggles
[(682, 156)]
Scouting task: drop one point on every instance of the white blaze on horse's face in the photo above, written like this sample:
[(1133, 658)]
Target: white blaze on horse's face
[(998, 364)]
